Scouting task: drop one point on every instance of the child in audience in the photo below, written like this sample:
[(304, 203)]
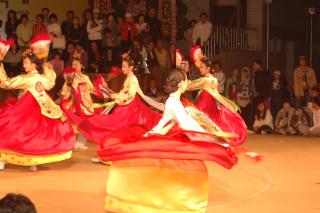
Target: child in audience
[(263, 123)]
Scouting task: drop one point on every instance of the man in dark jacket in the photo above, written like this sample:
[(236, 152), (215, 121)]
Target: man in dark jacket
[(154, 24), (261, 83)]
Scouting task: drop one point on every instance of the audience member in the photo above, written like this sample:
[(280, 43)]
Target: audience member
[(278, 89), (154, 24), (245, 95), (202, 30), (95, 29), (11, 24), (45, 13), (39, 28), (261, 83), (76, 33), (314, 130), (263, 123), (231, 85), (24, 31), (304, 79), (219, 75), (67, 24), (162, 57), (13, 59), (283, 120), (128, 32)]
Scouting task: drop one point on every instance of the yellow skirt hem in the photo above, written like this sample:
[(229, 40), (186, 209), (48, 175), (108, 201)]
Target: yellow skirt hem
[(29, 160), (115, 205)]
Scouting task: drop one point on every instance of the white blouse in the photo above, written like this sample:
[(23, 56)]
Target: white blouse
[(54, 29), (174, 110), (268, 120)]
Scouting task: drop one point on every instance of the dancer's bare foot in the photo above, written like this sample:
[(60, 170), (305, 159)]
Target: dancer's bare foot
[(33, 168), (2, 165)]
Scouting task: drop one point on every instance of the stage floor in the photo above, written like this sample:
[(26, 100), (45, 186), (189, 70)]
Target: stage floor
[(287, 180)]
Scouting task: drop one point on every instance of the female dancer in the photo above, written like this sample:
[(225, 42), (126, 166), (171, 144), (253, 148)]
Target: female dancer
[(220, 109), (163, 171), (127, 108), (34, 130)]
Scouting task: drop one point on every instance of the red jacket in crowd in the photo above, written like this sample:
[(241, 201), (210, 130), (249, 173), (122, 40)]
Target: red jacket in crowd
[(124, 30)]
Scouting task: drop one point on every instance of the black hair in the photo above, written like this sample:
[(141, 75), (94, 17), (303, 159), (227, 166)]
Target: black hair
[(127, 58), (286, 100), (204, 14), (107, 30), (70, 12), (13, 12), (17, 203), (207, 62), (316, 100), (217, 62), (257, 62), (34, 59), (261, 116), (45, 8), (40, 16), (53, 15), (24, 16), (315, 89), (173, 80), (138, 16)]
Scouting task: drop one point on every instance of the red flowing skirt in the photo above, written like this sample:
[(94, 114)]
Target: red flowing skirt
[(24, 130), (128, 143), (97, 127), (227, 120)]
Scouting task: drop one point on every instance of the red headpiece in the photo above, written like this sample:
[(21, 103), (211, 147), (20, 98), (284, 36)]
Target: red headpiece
[(196, 53), (40, 45), (115, 71), (68, 70), (4, 47)]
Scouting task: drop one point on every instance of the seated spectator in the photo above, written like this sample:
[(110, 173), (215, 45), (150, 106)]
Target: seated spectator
[(16, 203), (315, 92), (154, 91), (231, 86), (314, 130), (263, 123), (282, 122), (12, 60)]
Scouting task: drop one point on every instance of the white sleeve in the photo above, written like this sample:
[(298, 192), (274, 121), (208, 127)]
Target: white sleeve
[(269, 119)]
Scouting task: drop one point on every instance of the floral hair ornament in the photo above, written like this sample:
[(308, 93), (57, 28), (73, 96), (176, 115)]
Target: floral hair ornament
[(4, 47), (179, 57), (40, 45)]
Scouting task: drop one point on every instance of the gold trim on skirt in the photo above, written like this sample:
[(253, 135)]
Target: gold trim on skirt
[(32, 160)]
